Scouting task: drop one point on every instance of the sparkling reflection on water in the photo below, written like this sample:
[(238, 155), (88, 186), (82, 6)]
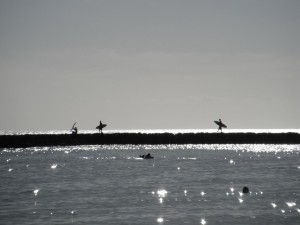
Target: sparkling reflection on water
[(183, 184)]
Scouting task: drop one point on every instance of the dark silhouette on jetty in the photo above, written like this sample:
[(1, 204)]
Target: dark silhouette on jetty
[(220, 124), (32, 140), (100, 127), (74, 129)]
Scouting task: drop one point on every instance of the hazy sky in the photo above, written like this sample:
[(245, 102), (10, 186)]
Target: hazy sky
[(137, 64)]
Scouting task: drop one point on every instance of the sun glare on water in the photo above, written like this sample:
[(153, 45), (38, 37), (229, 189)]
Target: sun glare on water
[(203, 222), (160, 220)]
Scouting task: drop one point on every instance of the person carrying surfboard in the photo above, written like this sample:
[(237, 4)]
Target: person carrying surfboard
[(74, 129), (221, 125), (101, 125)]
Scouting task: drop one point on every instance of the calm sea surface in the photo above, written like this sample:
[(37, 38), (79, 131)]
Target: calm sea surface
[(183, 184)]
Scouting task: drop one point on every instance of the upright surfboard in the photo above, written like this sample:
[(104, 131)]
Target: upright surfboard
[(73, 126)]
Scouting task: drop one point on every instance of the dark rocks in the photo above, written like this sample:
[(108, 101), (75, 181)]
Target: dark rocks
[(33, 140)]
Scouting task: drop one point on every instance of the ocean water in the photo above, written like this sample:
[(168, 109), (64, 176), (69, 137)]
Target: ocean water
[(183, 184)]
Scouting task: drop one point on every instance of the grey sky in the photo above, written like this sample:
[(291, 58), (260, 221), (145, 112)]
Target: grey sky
[(149, 64)]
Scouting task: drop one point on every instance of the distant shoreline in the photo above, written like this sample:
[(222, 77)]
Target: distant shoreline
[(42, 140)]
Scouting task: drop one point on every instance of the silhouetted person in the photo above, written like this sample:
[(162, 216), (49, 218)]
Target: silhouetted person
[(74, 131), (148, 156), (101, 125), (220, 126)]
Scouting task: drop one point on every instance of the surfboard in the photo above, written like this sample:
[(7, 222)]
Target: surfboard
[(73, 126), (220, 124), (101, 126)]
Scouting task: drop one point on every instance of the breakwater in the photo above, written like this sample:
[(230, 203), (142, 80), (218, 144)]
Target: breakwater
[(38, 140)]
